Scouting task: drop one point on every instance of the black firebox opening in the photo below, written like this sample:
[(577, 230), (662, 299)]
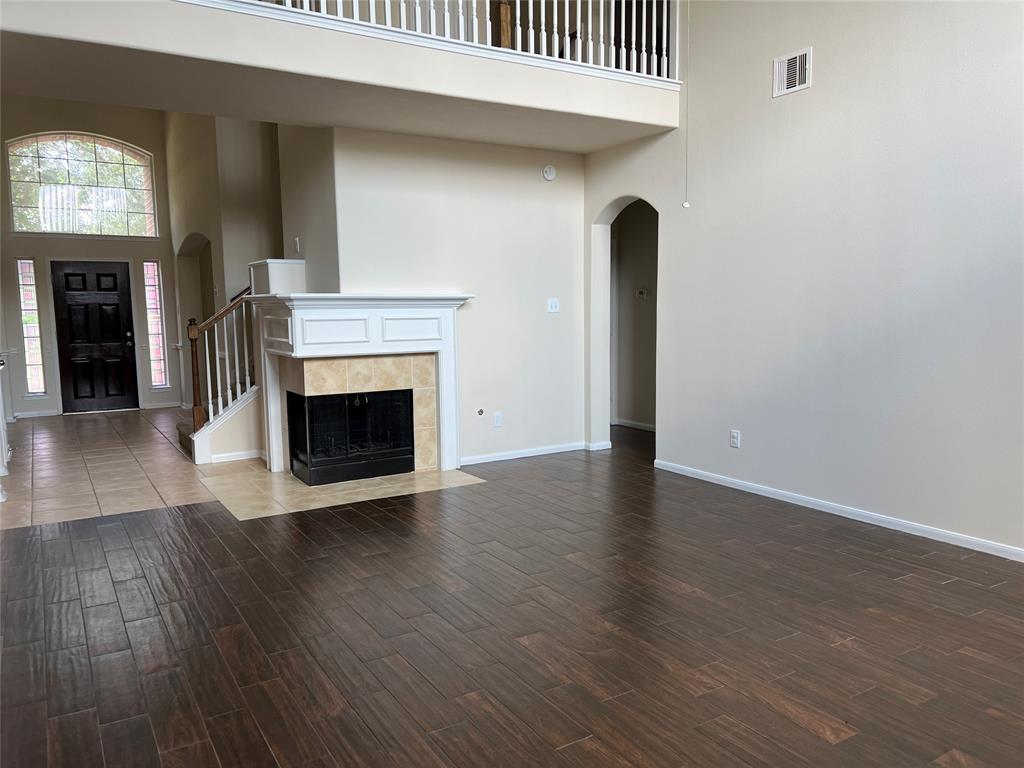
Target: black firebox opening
[(347, 437)]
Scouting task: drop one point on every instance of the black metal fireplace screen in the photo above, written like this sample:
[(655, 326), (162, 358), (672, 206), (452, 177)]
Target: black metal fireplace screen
[(347, 437)]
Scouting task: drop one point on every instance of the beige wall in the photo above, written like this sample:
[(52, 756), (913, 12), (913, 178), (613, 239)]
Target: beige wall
[(250, 197), (634, 319), (308, 205), (846, 288), (143, 128), (420, 215)]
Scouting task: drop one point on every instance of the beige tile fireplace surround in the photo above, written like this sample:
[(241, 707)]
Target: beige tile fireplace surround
[(341, 375)]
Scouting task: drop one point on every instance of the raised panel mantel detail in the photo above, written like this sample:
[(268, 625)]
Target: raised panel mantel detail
[(314, 325)]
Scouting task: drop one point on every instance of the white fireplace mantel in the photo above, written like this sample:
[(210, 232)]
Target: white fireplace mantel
[(317, 325)]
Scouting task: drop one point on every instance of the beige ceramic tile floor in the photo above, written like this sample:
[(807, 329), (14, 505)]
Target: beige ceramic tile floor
[(87, 465)]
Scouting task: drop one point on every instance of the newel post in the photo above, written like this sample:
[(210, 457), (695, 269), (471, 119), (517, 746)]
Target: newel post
[(198, 412)]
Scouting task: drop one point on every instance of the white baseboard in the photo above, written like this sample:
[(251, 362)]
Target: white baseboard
[(602, 446), (522, 453), (633, 425), (884, 521), (219, 458), (36, 414)]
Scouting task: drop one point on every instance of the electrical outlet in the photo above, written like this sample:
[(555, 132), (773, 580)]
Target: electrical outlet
[(734, 438), (499, 418), (553, 305), (298, 245)]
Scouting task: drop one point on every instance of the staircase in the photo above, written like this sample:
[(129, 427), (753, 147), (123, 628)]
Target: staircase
[(223, 367)]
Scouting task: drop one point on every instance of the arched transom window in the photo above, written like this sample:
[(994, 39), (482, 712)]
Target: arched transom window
[(82, 184)]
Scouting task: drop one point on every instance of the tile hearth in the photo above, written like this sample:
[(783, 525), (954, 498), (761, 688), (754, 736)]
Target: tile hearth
[(89, 465)]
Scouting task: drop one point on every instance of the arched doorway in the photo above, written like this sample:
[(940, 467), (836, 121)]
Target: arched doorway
[(634, 316), (641, 224)]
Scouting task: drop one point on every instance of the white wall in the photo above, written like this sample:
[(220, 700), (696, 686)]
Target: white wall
[(847, 285), (308, 205), (635, 321), (427, 214), (144, 128)]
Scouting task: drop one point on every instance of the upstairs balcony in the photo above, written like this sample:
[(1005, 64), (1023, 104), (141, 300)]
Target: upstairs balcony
[(575, 75)]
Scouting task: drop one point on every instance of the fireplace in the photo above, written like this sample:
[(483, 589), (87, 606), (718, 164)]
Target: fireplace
[(350, 436)]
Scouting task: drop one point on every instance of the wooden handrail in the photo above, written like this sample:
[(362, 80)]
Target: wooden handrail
[(194, 330)]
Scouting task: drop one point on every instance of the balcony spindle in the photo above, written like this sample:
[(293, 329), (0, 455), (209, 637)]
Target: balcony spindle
[(566, 49), (419, 14), (447, 21), (487, 18), (403, 15), (462, 20), (554, 27), (476, 23), (373, 11), (529, 29), (387, 13), (664, 38), (518, 31), (643, 38), (590, 31), (543, 29), (579, 31), (632, 41), (600, 33), (622, 34), (355, 9)]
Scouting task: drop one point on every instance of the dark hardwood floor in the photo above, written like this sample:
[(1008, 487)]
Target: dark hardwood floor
[(575, 610)]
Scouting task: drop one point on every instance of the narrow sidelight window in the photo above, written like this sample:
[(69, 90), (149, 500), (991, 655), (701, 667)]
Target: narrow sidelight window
[(155, 323), (34, 379)]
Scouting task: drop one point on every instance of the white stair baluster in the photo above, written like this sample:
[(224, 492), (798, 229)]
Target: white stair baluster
[(600, 32), (245, 345), (373, 11), (487, 17), (234, 343), (447, 21), (209, 384), (462, 20), (403, 15), (476, 23), (387, 13), (432, 17), (216, 369), (227, 364), (355, 9)]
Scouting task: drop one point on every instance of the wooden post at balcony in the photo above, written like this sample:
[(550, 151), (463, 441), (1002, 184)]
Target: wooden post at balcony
[(501, 26), (198, 412)]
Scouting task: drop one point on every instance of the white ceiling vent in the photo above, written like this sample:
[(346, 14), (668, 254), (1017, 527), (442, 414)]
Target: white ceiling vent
[(792, 73)]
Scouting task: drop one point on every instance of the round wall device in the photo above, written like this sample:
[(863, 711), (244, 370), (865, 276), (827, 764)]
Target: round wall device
[(549, 173)]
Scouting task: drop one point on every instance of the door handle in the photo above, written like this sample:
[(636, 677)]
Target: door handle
[(129, 344), (79, 359)]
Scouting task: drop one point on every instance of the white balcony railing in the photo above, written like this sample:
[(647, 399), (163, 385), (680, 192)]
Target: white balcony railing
[(627, 37)]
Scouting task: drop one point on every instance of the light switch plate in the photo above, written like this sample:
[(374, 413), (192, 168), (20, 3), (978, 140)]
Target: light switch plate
[(553, 305)]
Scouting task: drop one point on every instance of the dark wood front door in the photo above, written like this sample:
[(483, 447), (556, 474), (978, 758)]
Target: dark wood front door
[(95, 339)]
